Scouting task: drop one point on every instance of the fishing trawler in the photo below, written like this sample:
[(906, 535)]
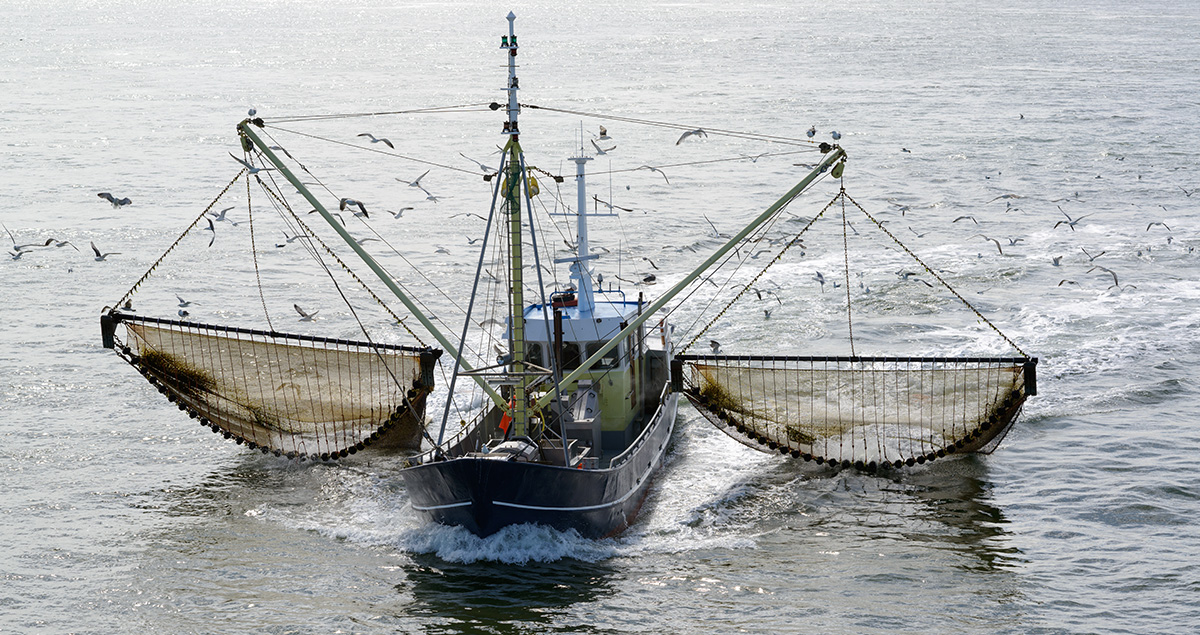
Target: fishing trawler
[(579, 407)]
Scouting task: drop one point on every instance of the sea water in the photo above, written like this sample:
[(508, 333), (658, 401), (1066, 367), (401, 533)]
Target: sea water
[(120, 514)]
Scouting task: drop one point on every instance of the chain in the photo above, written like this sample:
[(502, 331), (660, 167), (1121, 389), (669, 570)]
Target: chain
[(753, 280), (933, 273), (134, 288), (343, 265)]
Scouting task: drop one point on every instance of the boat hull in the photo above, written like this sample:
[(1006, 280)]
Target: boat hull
[(485, 495)]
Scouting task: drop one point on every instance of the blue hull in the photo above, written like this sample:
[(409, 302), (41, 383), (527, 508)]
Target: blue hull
[(485, 495)]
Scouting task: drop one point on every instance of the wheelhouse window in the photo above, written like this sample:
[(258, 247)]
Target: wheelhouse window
[(610, 358), (571, 359), (533, 354)]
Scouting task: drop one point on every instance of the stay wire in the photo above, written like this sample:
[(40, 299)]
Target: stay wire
[(675, 126), (359, 115), (846, 266), (377, 151), (933, 273)]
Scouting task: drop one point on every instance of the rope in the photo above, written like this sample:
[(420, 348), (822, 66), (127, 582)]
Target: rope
[(145, 276), (846, 267), (254, 256), (933, 273)]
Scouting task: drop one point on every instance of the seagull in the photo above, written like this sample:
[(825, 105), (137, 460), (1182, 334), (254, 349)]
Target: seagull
[(253, 170), (716, 346), (339, 216), (16, 255), (1186, 192), (183, 303), (290, 239), (650, 261), (604, 134), (970, 218), (401, 212), (27, 247), (183, 314), (820, 277), (378, 140), (699, 132), (464, 214), (760, 292), (360, 241), (441, 250), (993, 240), (610, 206), (349, 202), (220, 216), (836, 135), (433, 198), (755, 158), (1091, 258), (116, 202), (1056, 261), (650, 279), (714, 228), (1070, 222), (64, 243), (213, 229), (812, 132), (767, 314), (1109, 271), (99, 256), (1157, 223), (1006, 196), (915, 232), (304, 315), (482, 166), (909, 275), (472, 241), (1065, 281), (600, 150), (416, 182), (654, 169)]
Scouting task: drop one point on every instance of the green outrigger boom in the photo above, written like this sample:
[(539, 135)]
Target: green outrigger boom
[(246, 129)]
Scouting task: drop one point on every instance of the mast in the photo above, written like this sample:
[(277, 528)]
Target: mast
[(581, 271), (835, 154), (512, 198)]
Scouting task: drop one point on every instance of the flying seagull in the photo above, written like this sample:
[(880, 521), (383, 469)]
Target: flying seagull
[(604, 134), (654, 169), (375, 139), (1070, 222), (993, 240), (482, 166), (349, 202), (116, 202), (600, 150), (698, 132), (416, 182), (305, 316), (253, 170), (99, 256)]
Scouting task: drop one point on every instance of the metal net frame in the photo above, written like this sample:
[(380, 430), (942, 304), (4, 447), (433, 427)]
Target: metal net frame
[(866, 412), (292, 395)]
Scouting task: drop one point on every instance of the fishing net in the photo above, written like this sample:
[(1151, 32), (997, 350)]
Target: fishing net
[(293, 395), (861, 411)]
